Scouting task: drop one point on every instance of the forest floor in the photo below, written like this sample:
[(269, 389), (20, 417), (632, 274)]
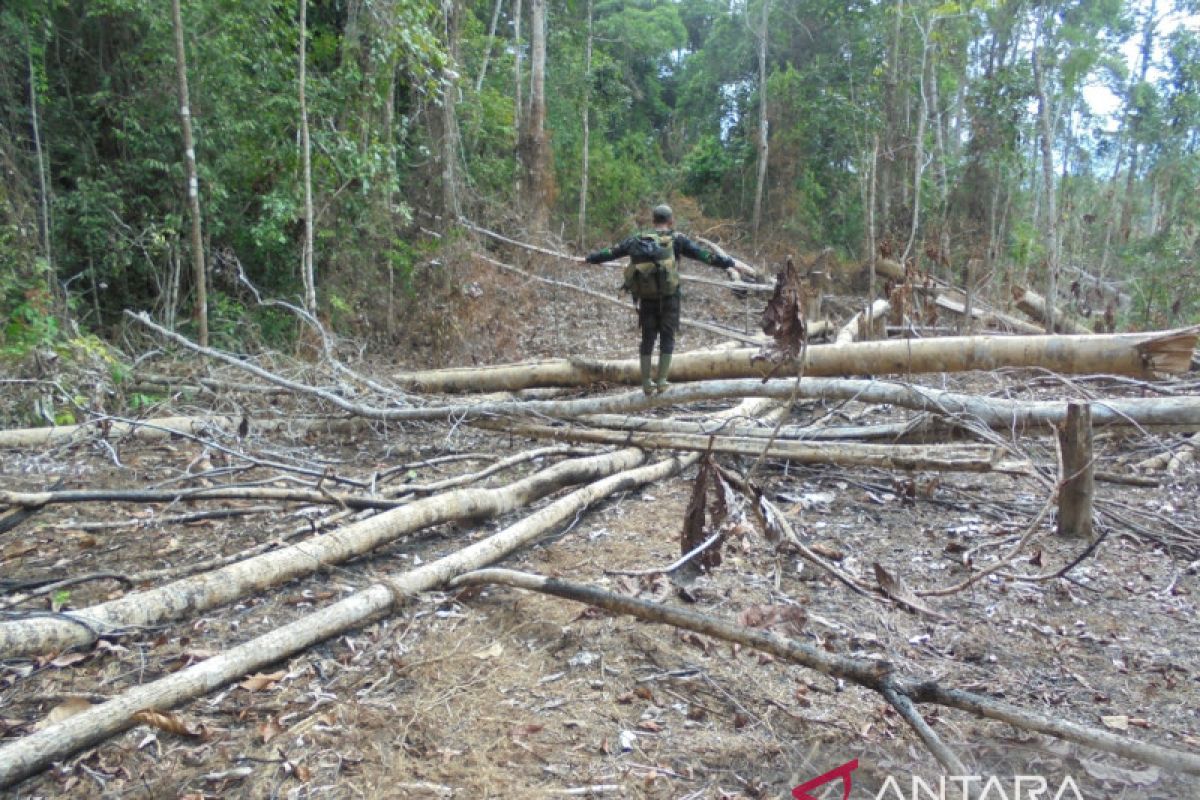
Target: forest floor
[(505, 694)]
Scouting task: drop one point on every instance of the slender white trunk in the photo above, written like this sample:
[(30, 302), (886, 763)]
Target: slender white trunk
[(487, 52), (193, 182), (518, 104), (919, 147), (761, 178), (587, 129), (306, 267), (43, 170), (1046, 141)]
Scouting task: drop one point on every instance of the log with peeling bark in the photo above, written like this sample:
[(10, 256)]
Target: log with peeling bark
[(188, 596), (943, 458), (1136, 354), (1035, 306), (26, 756)]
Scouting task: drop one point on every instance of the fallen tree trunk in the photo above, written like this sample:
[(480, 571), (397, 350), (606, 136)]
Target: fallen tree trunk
[(874, 674), (946, 458), (1136, 354), (44, 634), (26, 756), (955, 301), (1035, 306), (317, 496), (890, 431), (167, 427), (855, 329)]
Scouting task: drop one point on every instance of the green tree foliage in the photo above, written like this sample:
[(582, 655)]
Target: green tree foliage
[(927, 106)]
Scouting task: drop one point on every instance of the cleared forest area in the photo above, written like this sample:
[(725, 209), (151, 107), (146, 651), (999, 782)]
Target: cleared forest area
[(251, 591)]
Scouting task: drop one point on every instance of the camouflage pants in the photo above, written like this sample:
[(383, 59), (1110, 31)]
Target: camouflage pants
[(658, 318)]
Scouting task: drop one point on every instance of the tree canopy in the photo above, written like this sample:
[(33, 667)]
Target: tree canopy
[(908, 128)]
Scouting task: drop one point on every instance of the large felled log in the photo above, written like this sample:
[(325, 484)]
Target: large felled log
[(1137, 354), (1035, 306), (32, 753), (948, 458), (211, 589)]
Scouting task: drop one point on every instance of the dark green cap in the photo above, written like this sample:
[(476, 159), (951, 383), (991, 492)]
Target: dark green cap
[(663, 213)]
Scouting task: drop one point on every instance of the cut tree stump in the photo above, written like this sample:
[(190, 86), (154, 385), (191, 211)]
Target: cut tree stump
[(1078, 488)]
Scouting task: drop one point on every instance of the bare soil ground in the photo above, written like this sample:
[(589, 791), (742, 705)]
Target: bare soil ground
[(504, 694)]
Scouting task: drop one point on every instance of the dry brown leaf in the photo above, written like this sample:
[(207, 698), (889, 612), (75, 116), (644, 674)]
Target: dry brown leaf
[(269, 730), (783, 318), (167, 722), (260, 681), (303, 773), (650, 725), (64, 710)]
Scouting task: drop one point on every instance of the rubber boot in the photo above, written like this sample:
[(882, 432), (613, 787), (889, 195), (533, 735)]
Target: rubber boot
[(647, 387), (664, 366)]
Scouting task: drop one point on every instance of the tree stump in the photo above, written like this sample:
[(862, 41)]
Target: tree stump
[(1079, 485)]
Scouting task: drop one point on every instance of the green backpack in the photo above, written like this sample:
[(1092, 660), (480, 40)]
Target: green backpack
[(651, 273)]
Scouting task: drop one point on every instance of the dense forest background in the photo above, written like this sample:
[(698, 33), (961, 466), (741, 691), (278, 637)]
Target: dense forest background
[(1051, 142)]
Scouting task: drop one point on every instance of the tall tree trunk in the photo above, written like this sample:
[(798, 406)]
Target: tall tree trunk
[(587, 129), (487, 51), (451, 209), (193, 181), (1135, 121), (43, 170), (535, 149), (518, 104), (919, 141), (763, 138), (389, 120), (306, 262), (1046, 142), (891, 103)]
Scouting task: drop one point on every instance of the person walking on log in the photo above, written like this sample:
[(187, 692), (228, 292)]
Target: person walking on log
[(652, 277)]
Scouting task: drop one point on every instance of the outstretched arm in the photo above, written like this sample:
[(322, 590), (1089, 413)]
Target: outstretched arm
[(686, 247), (609, 253)]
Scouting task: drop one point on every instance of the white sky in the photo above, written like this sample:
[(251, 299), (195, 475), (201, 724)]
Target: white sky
[(1100, 98)]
